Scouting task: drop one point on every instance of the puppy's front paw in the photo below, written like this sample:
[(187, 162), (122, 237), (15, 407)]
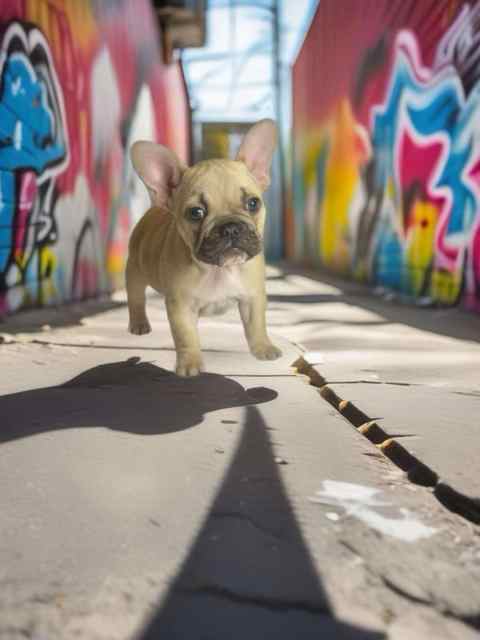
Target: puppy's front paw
[(189, 364), (139, 327), (266, 351)]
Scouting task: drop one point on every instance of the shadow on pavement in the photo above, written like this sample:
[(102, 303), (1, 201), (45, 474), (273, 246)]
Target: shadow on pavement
[(249, 573), (133, 396), (69, 314), (453, 322), (303, 298)]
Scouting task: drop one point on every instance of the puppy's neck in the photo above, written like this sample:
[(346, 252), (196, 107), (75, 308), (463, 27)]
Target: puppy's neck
[(220, 283)]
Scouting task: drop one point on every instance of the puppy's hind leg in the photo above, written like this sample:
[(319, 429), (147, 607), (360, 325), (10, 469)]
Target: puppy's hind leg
[(136, 285)]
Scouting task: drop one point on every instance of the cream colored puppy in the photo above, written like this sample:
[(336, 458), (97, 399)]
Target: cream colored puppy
[(201, 244)]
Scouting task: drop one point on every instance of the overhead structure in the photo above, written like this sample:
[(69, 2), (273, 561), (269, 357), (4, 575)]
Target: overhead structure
[(237, 76)]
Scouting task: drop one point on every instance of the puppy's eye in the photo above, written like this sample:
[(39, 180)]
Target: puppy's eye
[(196, 214), (253, 204)]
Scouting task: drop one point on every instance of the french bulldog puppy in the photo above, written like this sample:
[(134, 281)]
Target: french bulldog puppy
[(201, 242)]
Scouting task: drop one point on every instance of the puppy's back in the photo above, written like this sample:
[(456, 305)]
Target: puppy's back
[(148, 238)]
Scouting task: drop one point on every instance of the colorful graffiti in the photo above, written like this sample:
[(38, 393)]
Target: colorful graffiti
[(386, 183), (79, 82)]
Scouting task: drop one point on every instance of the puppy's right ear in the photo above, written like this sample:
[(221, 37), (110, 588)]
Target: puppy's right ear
[(159, 168), (256, 150)]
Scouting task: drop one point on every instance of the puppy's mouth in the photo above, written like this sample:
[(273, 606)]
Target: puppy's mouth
[(229, 244)]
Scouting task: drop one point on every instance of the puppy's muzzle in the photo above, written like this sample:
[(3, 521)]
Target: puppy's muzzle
[(230, 242)]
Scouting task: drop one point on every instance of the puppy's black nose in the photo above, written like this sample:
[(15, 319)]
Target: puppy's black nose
[(231, 230)]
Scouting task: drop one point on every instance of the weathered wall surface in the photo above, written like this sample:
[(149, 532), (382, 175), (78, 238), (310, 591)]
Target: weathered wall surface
[(79, 82), (386, 179)]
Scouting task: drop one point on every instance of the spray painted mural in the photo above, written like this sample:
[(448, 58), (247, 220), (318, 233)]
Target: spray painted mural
[(79, 82), (386, 183)]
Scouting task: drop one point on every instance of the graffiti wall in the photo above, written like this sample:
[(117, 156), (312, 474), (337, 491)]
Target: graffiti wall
[(79, 82), (386, 158)]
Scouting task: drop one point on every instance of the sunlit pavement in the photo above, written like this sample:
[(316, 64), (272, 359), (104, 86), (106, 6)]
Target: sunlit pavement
[(135, 504)]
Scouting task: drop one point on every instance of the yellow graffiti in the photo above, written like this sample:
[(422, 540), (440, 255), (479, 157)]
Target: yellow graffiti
[(341, 180), (47, 266), (446, 286), (420, 242), (115, 262), (46, 14), (310, 164)]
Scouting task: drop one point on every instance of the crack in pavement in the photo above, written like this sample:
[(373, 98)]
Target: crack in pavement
[(388, 382), (405, 594), (264, 602), (51, 343), (439, 606), (472, 394), (416, 471), (243, 516), (470, 620)]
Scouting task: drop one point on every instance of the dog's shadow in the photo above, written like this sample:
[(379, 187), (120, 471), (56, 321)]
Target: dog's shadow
[(132, 396)]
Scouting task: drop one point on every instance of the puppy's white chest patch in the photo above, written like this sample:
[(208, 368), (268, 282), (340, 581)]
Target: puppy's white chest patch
[(220, 284)]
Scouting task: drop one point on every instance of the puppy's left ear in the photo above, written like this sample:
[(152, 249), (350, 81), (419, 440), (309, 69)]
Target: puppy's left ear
[(256, 151), (159, 168)]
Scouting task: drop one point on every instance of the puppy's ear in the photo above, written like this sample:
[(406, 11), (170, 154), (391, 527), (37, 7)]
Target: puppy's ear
[(256, 150), (158, 167)]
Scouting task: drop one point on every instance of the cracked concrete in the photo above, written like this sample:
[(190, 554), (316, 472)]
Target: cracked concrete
[(137, 505), (434, 426), (270, 604)]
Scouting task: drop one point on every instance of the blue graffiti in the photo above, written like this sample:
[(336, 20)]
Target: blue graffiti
[(436, 107), (29, 139)]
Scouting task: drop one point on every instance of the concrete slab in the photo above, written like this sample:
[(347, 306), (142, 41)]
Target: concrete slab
[(362, 337), (443, 369), (416, 370), (223, 341), (116, 472), (138, 505), (440, 428)]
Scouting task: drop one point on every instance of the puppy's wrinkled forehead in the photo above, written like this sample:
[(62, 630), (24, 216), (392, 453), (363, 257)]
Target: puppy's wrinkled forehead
[(220, 182)]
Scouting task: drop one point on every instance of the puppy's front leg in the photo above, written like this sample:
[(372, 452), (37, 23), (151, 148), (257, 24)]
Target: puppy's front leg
[(183, 324), (252, 311), (136, 285)]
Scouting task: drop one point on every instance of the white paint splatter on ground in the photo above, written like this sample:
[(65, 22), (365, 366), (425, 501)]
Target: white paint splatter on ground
[(363, 503)]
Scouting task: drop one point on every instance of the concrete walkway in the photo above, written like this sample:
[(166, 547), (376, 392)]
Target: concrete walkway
[(408, 378), (135, 504)]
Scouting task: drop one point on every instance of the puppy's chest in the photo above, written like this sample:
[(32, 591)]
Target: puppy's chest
[(220, 284)]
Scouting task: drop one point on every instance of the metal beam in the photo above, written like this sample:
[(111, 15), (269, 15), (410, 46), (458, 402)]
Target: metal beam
[(222, 87)]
